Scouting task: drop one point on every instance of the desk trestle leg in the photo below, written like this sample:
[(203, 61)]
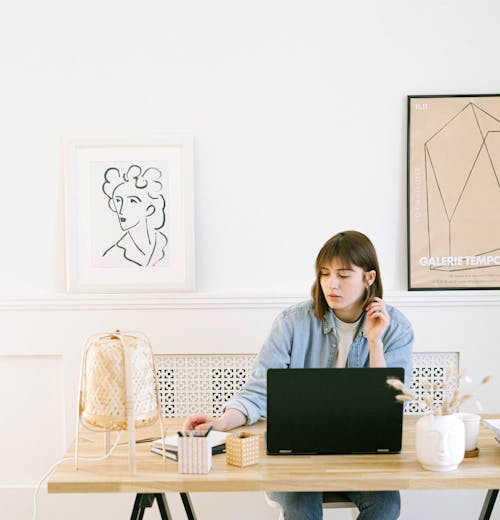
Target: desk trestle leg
[(188, 506), (488, 504), (144, 500)]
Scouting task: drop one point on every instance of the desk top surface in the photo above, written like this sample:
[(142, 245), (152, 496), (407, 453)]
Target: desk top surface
[(272, 473)]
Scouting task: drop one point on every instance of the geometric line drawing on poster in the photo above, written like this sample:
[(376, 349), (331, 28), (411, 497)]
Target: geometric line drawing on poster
[(135, 196), (455, 182)]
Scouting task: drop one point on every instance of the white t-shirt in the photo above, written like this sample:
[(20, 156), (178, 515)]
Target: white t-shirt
[(345, 336)]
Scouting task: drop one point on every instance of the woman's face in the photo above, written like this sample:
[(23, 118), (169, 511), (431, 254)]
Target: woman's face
[(344, 288), (132, 205)]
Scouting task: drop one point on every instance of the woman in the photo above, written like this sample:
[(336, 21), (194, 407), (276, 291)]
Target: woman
[(346, 324)]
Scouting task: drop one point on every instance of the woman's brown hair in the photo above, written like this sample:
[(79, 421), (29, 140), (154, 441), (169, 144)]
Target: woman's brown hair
[(350, 248)]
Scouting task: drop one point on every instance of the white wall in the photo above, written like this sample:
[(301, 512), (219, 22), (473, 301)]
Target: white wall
[(298, 114)]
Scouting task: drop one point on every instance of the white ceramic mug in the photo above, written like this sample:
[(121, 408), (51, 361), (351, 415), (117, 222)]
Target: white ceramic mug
[(471, 422)]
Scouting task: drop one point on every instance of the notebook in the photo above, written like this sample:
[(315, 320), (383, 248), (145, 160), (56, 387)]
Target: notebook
[(218, 440), (333, 410)]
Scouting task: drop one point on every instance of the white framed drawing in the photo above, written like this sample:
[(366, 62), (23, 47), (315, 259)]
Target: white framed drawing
[(129, 214)]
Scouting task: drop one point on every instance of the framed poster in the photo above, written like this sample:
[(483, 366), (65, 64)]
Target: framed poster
[(454, 192), (129, 214)]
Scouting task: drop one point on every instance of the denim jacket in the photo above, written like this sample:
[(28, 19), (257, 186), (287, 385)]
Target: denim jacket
[(299, 340)]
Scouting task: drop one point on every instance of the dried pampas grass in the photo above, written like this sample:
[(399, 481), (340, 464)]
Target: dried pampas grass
[(406, 394), (451, 403)]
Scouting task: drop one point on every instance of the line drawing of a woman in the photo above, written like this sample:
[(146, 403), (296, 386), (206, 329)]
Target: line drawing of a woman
[(135, 196)]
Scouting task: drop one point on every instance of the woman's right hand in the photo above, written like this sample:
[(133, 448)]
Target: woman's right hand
[(230, 419), (200, 421)]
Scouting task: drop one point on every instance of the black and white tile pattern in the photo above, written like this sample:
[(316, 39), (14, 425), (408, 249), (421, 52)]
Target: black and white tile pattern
[(192, 383)]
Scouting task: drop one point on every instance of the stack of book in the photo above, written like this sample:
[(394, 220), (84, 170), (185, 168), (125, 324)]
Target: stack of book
[(217, 440)]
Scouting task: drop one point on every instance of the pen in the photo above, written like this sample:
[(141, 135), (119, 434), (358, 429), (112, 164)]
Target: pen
[(208, 431)]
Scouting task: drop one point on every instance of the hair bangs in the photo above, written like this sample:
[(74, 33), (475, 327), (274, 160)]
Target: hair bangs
[(335, 250)]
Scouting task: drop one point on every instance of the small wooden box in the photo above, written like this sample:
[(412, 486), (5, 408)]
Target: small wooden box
[(242, 449)]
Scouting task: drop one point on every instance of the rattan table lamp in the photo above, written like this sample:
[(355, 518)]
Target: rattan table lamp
[(118, 387)]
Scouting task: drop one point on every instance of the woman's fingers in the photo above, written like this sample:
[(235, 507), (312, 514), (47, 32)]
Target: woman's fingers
[(195, 420), (204, 426), (376, 302), (187, 424), (377, 310)]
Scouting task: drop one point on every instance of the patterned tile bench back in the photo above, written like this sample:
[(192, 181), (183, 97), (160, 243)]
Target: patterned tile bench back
[(190, 383)]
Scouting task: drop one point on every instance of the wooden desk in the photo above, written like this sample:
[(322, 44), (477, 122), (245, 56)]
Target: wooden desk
[(275, 473)]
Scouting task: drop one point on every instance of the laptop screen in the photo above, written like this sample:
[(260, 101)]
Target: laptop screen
[(330, 410)]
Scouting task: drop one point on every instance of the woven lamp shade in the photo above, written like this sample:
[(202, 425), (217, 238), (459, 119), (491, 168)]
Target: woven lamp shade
[(104, 389), (118, 387)]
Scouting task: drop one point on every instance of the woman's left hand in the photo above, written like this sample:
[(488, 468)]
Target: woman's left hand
[(377, 320)]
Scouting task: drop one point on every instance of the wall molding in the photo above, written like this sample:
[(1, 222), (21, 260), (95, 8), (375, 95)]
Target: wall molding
[(92, 302)]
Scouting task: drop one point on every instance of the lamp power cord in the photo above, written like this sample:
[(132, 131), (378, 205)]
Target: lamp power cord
[(84, 459)]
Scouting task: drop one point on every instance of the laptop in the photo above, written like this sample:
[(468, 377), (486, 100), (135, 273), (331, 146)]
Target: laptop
[(333, 410)]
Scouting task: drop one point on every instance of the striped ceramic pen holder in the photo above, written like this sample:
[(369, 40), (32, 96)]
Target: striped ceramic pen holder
[(194, 454)]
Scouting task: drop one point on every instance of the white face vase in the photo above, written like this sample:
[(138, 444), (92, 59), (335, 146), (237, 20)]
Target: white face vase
[(440, 442)]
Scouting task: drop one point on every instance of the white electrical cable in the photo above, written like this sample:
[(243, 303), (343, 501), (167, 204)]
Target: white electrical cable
[(85, 459)]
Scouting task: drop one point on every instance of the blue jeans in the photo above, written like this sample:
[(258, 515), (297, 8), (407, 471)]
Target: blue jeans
[(372, 505)]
